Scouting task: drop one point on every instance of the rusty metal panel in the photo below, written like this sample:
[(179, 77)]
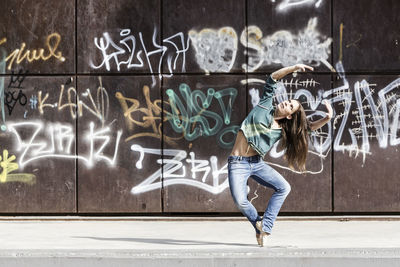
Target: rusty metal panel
[(202, 115), (203, 36), (39, 36), (367, 38), (311, 192), (367, 144), (37, 141), (283, 33), (119, 121), (117, 36)]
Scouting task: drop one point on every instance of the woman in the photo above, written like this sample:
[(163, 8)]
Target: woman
[(263, 127)]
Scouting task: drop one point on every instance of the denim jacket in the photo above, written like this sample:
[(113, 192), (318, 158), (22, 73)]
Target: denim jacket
[(257, 125)]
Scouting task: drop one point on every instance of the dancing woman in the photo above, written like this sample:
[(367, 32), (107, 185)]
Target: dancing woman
[(262, 128)]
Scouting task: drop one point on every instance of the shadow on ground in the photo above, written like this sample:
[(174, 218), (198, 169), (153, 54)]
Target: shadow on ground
[(167, 241)]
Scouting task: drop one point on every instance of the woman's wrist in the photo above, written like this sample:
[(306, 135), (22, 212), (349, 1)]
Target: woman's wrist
[(328, 117)]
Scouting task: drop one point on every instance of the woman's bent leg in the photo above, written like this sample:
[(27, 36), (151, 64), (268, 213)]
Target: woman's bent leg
[(267, 176), (238, 174)]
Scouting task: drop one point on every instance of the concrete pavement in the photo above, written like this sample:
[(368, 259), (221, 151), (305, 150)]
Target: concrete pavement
[(105, 241)]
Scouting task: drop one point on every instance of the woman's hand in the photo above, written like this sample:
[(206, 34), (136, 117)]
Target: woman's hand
[(329, 108), (302, 67)]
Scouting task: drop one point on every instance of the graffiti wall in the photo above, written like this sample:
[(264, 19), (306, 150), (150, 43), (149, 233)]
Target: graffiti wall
[(130, 106)]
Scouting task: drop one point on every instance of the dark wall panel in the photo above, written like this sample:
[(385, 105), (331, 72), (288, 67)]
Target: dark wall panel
[(37, 146), (213, 28), (282, 33), (40, 35), (370, 39), (366, 144), (125, 118), (117, 36)]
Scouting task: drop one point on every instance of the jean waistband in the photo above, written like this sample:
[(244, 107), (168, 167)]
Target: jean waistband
[(255, 158)]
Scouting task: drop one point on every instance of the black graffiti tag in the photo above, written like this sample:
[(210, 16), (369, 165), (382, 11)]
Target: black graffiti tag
[(16, 80), (11, 100)]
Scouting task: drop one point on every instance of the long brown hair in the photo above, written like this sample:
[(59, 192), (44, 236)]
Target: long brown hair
[(295, 139)]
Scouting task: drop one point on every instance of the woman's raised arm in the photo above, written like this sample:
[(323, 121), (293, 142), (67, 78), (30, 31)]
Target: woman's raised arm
[(285, 71)]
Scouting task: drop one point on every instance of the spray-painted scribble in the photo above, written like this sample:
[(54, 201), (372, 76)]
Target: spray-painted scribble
[(381, 117), (285, 48), (377, 119), (288, 4), (98, 106), (300, 83), (132, 55), (33, 101), (14, 97), (3, 55), (19, 55), (193, 118), (8, 166), (255, 96), (215, 49), (175, 172), (148, 124), (55, 140), (16, 80)]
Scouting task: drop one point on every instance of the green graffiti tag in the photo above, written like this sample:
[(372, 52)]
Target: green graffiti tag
[(193, 119)]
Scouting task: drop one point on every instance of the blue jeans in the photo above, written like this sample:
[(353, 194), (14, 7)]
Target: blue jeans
[(239, 170)]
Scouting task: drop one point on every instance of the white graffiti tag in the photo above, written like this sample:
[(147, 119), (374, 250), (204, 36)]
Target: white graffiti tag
[(215, 49), (175, 171), (285, 48), (287, 4), (370, 119), (58, 142), (132, 55)]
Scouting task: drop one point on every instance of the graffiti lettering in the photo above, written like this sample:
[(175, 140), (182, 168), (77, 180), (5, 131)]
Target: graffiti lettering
[(215, 50), (282, 47), (192, 120), (175, 171), (19, 55), (286, 4), (60, 137), (127, 54), (382, 116), (8, 166), (98, 108), (150, 116), (33, 102), (16, 81), (11, 100)]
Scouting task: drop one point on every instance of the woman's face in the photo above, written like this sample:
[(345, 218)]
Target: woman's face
[(287, 108)]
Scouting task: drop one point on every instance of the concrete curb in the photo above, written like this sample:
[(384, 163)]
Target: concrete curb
[(265, 257)]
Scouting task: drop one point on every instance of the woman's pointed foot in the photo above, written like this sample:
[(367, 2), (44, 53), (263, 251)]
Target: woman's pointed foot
[(260, 239), (260, 236)]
